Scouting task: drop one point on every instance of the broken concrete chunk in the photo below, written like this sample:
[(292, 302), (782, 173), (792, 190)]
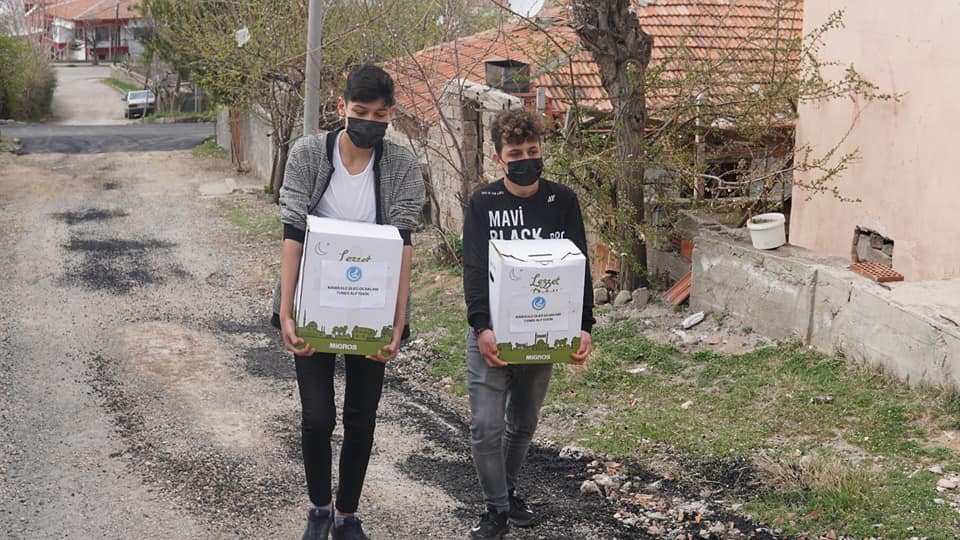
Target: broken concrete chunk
[(588, 487), (622, 298), (575, 452), (600, 296), (693, 320), (641, 297)]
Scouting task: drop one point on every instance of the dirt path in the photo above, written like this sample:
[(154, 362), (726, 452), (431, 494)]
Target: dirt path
[(83, 99), (143, 396)]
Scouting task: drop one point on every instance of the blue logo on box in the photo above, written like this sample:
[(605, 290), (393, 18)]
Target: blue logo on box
[(539, 303), (354, 273)]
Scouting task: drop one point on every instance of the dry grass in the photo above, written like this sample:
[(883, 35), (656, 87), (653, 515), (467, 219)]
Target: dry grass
[(808, 472)]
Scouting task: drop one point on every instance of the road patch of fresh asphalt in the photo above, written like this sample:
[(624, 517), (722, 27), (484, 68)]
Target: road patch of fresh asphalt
[(60, 139)]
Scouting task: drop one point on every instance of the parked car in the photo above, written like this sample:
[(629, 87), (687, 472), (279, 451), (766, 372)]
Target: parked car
[(139, 103)]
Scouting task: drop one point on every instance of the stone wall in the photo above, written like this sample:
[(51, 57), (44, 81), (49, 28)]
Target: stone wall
[(467, 110)]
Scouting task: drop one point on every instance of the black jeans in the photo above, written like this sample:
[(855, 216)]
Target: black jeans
[(360, 401)]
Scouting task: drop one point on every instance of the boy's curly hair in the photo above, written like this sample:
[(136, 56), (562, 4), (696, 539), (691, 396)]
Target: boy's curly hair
[(515, 126)]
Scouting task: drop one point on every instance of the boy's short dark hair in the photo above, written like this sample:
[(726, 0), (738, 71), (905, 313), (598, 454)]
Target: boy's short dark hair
[(367, 83), (515, 126)]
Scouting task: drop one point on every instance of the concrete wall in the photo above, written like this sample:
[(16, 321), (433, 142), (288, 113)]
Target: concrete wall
[(906, 178), (908, 329), (255, 141)]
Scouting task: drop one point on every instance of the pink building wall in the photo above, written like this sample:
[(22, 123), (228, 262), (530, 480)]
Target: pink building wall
[(908, 178)]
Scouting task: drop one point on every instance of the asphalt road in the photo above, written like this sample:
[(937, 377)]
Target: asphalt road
[(83, 98), (88, 119), (72, 139)]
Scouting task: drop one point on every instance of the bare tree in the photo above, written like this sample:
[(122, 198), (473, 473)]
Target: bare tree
[(621, 49)]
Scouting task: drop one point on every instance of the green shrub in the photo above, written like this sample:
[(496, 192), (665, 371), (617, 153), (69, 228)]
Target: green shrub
[(27, 80)]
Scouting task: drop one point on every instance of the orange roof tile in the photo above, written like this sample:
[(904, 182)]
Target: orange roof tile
[(92, 10), (728, 32)]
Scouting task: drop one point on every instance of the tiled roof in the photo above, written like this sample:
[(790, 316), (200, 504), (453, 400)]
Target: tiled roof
[(729, 32), (91, 10)]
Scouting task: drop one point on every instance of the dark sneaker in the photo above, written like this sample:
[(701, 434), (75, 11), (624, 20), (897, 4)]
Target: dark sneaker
[(319, 522), (350, 529), (520, 513), (492, 526)]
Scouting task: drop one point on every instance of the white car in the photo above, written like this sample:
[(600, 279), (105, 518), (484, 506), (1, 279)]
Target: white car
[(139, 103)]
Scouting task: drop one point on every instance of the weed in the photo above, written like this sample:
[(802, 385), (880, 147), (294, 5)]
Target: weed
[(209, 148), (120, 85)]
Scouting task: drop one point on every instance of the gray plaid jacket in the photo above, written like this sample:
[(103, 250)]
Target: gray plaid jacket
[(397, 182)]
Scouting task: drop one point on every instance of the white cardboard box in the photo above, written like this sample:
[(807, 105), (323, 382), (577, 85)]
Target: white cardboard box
[(536, 299), (346, 293)]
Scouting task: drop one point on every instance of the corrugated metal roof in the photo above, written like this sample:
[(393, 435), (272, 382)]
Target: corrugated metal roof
[(727, 32)]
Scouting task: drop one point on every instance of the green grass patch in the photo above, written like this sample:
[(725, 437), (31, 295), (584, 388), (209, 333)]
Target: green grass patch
[(8, 144), (120, 85), (258, 221), (440, 316), (210, 148), (710, 408), (852, 442), (206, 116), (903, 504)]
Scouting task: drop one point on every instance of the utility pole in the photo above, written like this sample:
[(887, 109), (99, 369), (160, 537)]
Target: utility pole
[(311, 101), (116, 22)]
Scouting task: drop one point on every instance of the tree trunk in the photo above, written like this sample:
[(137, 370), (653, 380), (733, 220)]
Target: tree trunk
[(621, 49), (280, 152)]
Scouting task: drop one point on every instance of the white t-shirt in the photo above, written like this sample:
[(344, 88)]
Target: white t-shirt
[(349, 197)]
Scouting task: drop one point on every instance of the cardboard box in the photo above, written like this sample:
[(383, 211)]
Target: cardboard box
[(536, 299), (347, 289)]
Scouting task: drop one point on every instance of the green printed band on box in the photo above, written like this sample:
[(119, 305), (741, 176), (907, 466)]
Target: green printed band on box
[(539, 352), (340, 340)]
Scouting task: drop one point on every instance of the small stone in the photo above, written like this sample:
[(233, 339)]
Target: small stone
[(656, 516), (821, 400), (936, 469), (686, 405), (601, 296), (625, 488), (607, 482), (640, 297), (588, 487), (946, 483), (622, 298), (939, 501), (575, 452)]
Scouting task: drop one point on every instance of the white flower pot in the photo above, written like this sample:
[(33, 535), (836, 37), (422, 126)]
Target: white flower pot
[(768, 231)]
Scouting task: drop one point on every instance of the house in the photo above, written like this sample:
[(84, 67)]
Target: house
[(447, 94), (79, 30), (904, 182), (893, 211)]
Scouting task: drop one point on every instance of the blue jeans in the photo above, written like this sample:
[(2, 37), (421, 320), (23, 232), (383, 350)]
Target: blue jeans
[(505, 408)]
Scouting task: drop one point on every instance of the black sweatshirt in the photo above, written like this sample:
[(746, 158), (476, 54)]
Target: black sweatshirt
[(494, 213)]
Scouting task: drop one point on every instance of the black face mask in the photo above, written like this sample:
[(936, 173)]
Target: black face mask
[(365, 133), (524, 172)]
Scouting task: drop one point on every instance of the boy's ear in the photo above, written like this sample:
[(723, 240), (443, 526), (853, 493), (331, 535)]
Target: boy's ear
[(496, 158), (341, 107)]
